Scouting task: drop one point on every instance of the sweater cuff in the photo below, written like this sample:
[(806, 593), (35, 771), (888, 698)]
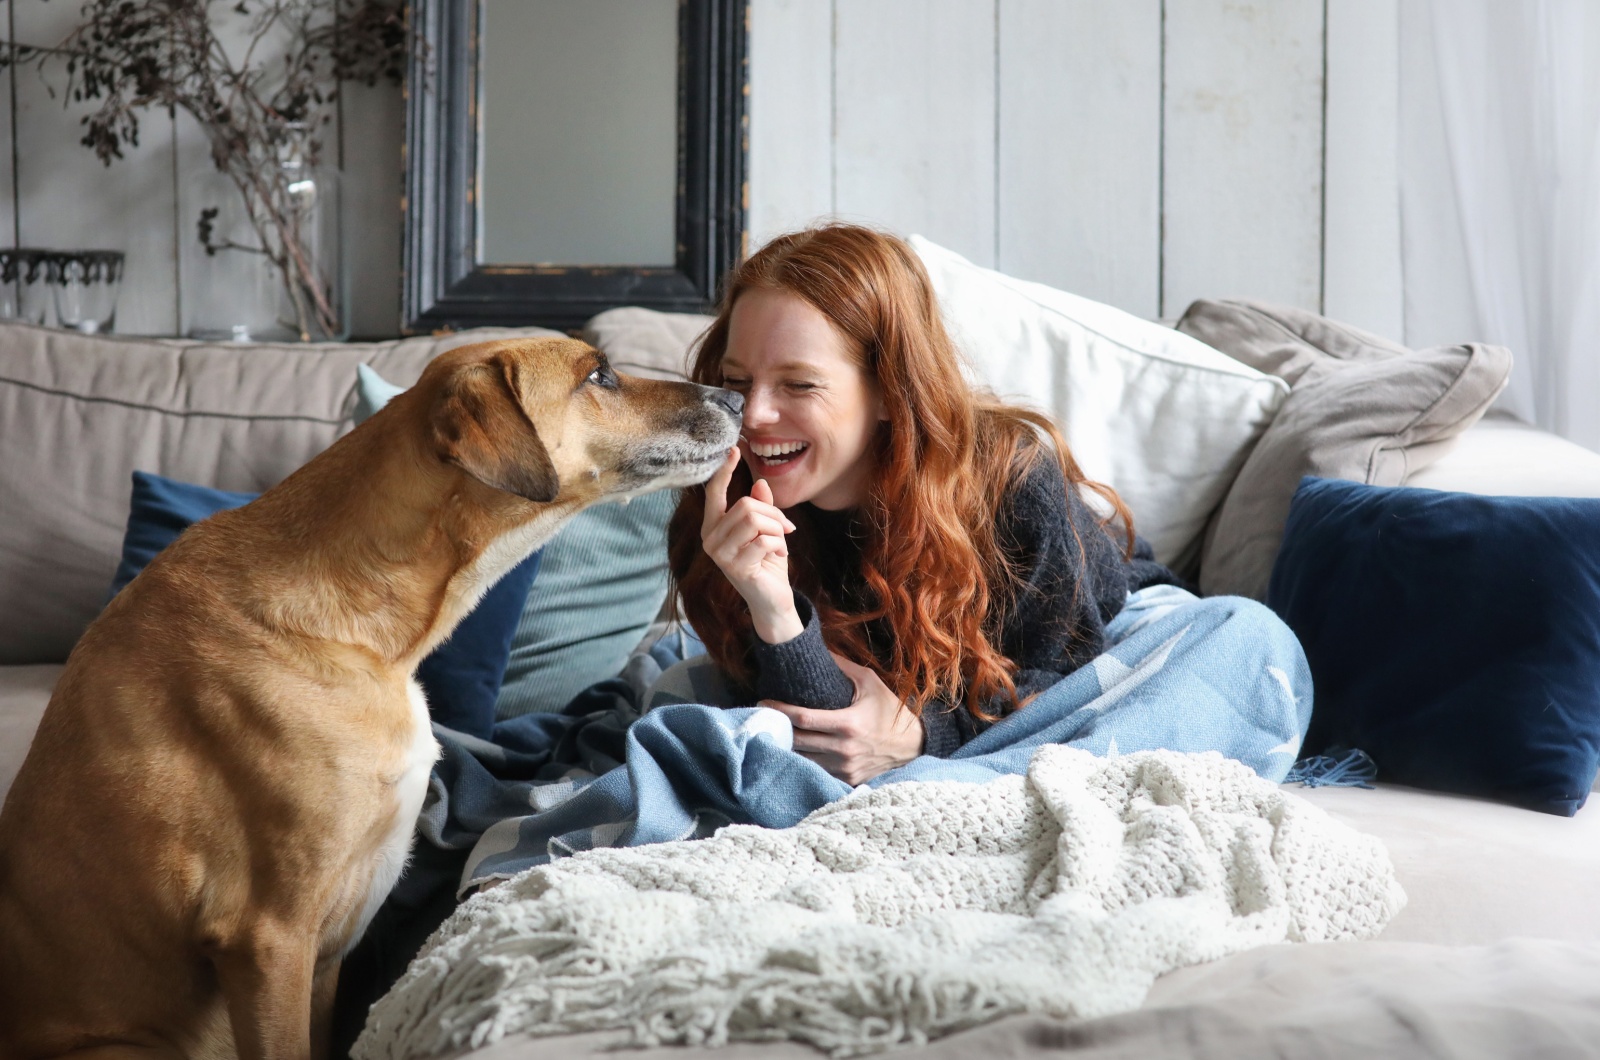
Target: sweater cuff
[(800, 670)]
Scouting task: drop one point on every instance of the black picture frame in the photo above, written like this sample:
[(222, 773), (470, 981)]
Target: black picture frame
[(444, 287)]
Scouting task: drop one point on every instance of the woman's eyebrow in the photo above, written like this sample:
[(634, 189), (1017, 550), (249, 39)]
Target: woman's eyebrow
[(729, 364)]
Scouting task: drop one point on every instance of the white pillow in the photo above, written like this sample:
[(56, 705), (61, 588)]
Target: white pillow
[(1161, 417)]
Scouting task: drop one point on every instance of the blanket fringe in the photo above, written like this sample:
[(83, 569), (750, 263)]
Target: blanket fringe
[(1341, 767), (847, 1017)]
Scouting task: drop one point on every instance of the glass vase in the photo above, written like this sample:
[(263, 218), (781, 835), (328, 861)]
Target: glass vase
[(313, 285), (240, 292)]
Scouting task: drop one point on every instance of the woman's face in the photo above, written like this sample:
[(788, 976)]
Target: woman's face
[(810, 411)]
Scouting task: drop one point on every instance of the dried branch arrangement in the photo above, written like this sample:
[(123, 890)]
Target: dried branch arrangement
[(260, 101)]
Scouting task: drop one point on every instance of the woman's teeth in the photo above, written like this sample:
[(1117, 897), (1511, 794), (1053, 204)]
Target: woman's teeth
[(779, 452)]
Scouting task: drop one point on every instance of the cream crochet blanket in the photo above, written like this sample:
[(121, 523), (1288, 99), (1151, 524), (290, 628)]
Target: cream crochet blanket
[(900, 913)]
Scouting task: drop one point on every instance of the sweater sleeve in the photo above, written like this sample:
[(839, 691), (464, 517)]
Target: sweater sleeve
[(801, 670)]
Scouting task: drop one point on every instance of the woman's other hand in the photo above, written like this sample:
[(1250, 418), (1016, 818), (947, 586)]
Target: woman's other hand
[(872, 735), (746, 541)]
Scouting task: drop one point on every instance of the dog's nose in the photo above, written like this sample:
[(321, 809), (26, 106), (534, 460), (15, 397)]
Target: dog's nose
[(731, 400)]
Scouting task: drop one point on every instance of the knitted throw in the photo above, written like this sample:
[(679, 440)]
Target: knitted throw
[(900, 913)]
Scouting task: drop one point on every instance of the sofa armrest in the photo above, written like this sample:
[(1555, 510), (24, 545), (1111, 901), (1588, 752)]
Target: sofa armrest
[(1500, 455)]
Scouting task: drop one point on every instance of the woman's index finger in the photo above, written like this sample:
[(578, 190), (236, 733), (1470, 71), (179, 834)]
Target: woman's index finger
[(717, 490)]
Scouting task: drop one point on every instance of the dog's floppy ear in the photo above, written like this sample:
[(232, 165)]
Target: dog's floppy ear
[(480, 426)]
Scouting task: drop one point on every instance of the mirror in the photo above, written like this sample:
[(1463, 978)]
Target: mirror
[(604, 75), (567, 156)]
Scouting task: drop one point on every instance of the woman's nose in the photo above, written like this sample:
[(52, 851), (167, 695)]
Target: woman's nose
[(759, 408)]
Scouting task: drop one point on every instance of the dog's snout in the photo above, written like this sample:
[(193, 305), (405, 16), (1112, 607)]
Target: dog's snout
[(728, 399)]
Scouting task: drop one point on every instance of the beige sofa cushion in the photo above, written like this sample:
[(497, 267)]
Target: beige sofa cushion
[(24, 692), (1476, 872), (79, 414)]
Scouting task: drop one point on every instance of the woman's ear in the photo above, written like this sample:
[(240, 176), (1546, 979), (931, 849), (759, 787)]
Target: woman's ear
[(879, 406)]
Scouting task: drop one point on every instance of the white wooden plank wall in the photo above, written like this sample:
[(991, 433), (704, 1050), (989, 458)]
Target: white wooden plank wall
[(791, 87), (68, 200), (1080, 147), (914, 118), (1242, 166), (1361, 221), (8, 139), (1140, 152)]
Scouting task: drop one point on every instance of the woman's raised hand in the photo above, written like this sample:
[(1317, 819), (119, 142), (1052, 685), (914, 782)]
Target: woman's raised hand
[(746, 542)]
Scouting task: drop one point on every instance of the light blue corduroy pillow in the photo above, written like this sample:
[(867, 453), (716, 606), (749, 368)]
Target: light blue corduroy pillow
[(602, 580), (373, 392)]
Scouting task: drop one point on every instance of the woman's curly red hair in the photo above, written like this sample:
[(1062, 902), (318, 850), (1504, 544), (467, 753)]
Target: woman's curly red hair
[(944, 459)]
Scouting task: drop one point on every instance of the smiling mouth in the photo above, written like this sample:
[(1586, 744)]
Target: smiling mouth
[(778, 454)]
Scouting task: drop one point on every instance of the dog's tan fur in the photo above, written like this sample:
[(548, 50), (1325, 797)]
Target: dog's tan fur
[(224, 785)]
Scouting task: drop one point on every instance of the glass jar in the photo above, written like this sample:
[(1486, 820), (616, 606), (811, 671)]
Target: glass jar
[(85, 283), (25, 288)]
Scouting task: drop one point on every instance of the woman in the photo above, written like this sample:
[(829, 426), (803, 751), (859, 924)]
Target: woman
[(904, 561)]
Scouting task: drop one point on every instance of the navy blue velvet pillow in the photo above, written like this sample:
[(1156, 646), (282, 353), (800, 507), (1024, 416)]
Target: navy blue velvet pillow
[(163, 508), (1455, 638), (461, 676)]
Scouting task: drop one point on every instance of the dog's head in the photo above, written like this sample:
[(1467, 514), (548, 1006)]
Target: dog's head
[(549, 420)]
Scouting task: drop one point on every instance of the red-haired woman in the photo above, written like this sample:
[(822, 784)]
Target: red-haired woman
[(890, 558)]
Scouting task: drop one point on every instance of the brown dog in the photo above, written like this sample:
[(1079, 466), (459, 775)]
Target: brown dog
[(224, 786)]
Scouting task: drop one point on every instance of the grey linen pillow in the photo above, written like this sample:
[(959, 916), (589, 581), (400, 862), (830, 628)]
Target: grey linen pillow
[(1360, 408)]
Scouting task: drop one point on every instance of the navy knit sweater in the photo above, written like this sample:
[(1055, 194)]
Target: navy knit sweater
[(1071, 586)]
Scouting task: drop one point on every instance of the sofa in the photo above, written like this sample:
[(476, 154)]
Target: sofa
[(1497, 951)]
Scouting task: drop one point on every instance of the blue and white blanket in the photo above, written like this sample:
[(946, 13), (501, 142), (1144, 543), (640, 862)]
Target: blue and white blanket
[(1180, 673)]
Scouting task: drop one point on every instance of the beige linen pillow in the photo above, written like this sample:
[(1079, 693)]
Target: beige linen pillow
[(647, 342), (1361, 408)]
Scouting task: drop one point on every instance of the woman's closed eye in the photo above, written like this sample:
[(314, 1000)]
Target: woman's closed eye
[(742, 385)]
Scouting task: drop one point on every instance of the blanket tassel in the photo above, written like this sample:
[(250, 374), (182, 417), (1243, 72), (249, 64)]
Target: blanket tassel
[(1341, 767)]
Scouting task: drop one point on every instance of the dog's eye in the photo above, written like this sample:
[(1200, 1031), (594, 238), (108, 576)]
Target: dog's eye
[(603, 376)]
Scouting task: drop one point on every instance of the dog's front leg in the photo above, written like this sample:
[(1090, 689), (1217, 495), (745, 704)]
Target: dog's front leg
[(324, 987), (266, 977)]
